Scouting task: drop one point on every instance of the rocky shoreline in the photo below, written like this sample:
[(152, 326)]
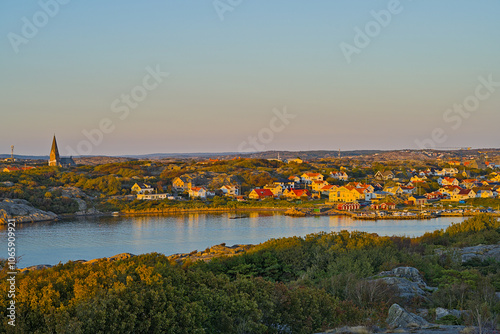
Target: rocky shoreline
[(21, 211), (208, 254)]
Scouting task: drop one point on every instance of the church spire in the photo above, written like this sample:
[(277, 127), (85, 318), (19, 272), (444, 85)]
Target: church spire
[(54, 154)]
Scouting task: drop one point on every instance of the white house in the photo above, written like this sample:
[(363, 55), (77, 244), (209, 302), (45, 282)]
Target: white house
[(448, 181), (142, 188), (308, 178), (231, 190), (342, 176), (198, 192), (376, 195), (285, 184), (450, 171), (409, 190), (152, 196), (485, 193)]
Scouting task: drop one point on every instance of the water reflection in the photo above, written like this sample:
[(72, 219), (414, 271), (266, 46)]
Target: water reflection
[(89, 238)]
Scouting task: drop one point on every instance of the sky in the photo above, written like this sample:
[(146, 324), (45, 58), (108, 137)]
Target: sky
[(128, 77)]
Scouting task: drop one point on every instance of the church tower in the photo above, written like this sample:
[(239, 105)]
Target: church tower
[(54, 159)]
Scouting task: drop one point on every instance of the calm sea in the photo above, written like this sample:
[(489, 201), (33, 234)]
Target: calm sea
[(90, 238)]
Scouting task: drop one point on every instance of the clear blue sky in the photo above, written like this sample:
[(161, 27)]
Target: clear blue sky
[(226, 76)]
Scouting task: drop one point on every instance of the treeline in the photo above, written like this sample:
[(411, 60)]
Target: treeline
[(289, 285)]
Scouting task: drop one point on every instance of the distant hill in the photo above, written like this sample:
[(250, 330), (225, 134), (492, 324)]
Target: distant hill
[(378, 155), (24, 157), (100, 160), (156, 156)]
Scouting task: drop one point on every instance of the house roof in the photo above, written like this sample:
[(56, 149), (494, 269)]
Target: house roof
[(12, 169), (289, 180), (230, 186), (67, 161), (184, 178), (452, 187), (264, 192), (300, 192), (360, 190), (312, 174), (419, 197), (450, 179)]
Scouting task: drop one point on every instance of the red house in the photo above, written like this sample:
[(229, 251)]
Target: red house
[(383, 206), (261, 194), (348, 206)]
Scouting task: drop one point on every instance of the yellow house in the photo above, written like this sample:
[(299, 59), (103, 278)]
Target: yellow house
[(142, 188), (277, 190), (450, 190), (327, 189), (485, 193), (495, 178), (297, 161), (344, 194), (463, 195), (198, 192), (396, 190), (417, 178), (261, 194), (317, 185), (10, 169), (297, 193), (182, 183)]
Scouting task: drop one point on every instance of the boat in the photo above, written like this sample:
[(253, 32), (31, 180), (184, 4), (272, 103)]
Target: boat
[(238, 217)]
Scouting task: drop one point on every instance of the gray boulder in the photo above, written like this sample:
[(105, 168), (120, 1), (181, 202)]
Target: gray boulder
[(400, 318), (23, 212), (407, 281), (410, 273), (442, 312), (482, 252)]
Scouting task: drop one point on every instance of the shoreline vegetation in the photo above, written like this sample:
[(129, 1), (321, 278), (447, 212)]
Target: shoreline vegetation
[(289, 285)]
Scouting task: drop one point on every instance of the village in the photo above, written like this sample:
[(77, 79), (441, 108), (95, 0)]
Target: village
[(388, 195), (371, 186)]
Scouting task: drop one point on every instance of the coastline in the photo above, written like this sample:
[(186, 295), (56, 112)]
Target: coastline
[(150, 212), (294, 212)]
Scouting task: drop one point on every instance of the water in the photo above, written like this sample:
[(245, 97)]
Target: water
[(96, 237)]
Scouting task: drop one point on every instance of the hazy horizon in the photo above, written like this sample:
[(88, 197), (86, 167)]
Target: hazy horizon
[(275, 72), (259, 152)]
